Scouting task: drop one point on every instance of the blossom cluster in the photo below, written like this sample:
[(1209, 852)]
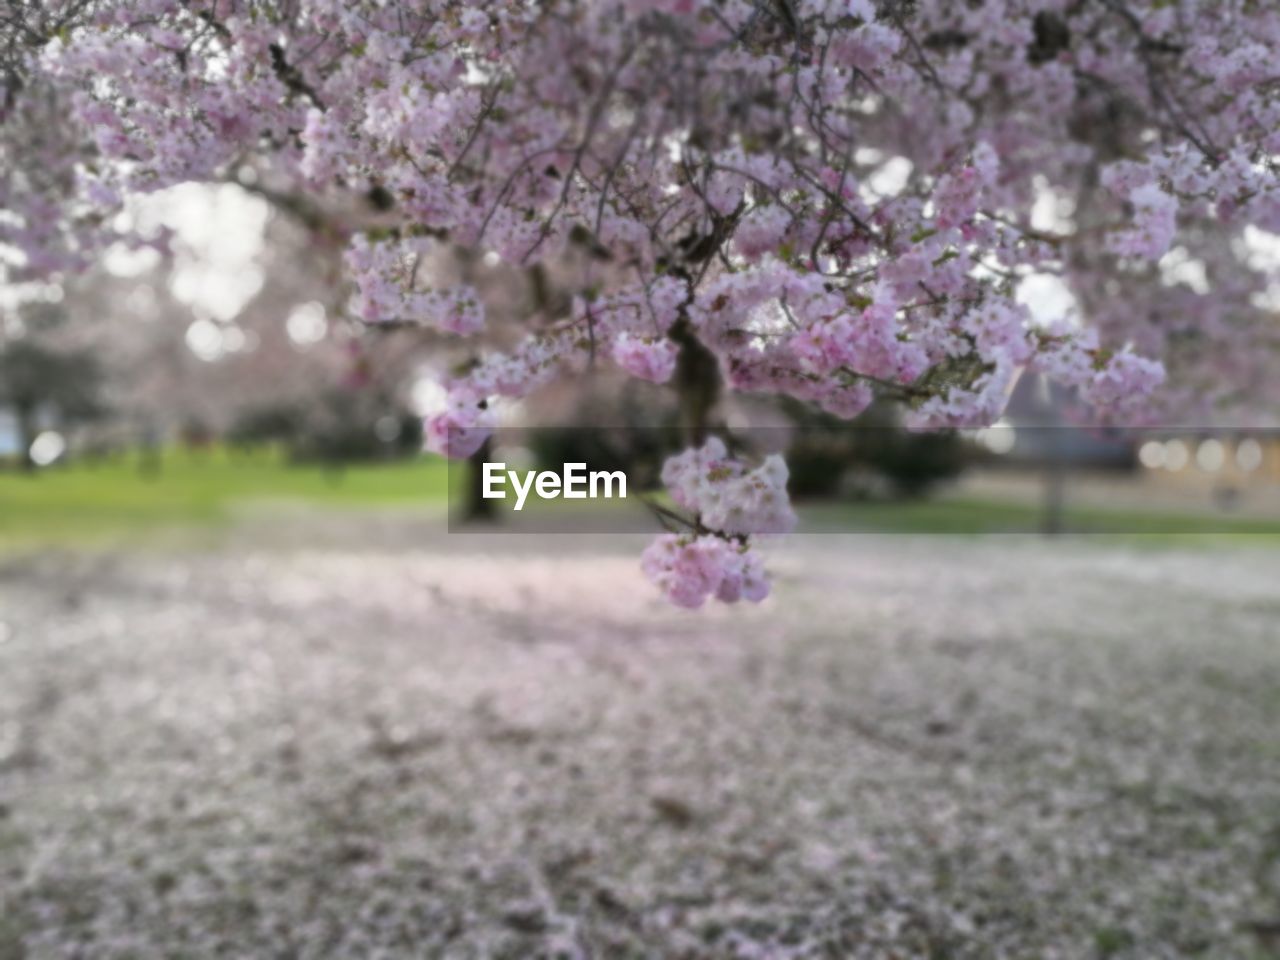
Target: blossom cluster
[(728, 501), (728, 496), (652, 358), (688, 569), (386, 289)]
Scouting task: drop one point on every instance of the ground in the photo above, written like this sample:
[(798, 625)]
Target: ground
[(365, 737)]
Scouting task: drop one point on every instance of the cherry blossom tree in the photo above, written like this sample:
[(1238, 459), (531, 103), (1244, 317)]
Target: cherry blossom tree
[(832, 200)]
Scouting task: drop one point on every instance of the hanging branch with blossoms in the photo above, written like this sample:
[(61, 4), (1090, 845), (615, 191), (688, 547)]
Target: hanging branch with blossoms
[(830, 200)]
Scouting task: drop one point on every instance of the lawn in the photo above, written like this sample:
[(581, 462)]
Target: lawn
[(201, 493), (977, 515), (197, 492)]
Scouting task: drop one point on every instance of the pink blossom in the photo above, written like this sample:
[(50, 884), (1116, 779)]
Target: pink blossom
[(727, 495), (459, 430), (1155, 222), (648, 359), (690, 569)]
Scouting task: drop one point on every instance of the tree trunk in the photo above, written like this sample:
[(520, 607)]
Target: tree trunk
[(1055, 483), (475, 507), (697, 383), (26, 429), (150, 458), (1055, 476)]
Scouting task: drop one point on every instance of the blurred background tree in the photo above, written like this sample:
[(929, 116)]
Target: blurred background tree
[(46, 386)]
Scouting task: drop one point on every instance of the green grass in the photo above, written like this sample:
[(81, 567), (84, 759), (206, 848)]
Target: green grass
[(967, 515), (200, 493), (86, 503)]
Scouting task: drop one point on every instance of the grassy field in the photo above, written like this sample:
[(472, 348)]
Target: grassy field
[(84, 503), (973, 515), (199, 494)]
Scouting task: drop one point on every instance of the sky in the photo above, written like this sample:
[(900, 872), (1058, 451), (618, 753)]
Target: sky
[(218, 236)]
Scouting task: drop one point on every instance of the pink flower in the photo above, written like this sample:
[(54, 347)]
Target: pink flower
[(728, 496), (648, 359), (459, 430), (690, 569), (1155, 222)]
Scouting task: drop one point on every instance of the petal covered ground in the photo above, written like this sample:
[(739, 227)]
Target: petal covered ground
[(509, 747)]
